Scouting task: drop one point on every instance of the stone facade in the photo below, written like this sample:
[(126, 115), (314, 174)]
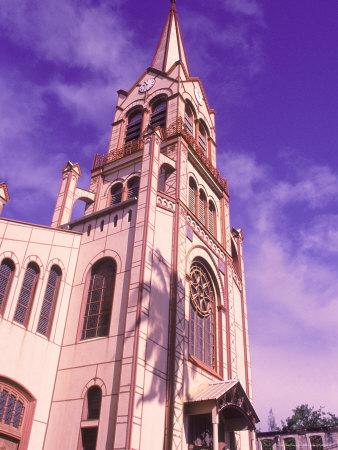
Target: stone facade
[(127, 328)]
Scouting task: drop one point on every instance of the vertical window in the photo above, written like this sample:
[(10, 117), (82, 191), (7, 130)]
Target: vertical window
[(202, 207), (27, 292), (134, 126), (7, 269), (116, 194), (129, 215), (267, 444), (101, 225), (99, 300), (159, 114), (202, 137), (49, 301), (91, 412), (115, 221), (94, 397), (166, 179), (133, 186), (212, 218), (192, 195), (202, 315), (316, 442), (89, 229), (189, 119), (290, 444)]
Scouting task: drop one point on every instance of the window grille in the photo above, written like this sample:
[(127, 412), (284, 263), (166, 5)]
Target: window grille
[(133, 187), (159, 114), (192, 196), (49, 301), (188, 123), (26, 294), (202, 316), (202, 204), (6, 275), (99, 301), (212, 213), (116, 194), (202, 142), (134, 127), (11, 407)]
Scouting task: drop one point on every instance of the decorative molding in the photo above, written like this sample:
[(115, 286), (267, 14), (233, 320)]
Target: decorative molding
[(165, 204), (205, 238)]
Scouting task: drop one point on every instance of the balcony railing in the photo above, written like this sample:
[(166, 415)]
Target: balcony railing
[(113, 155), (176, 128), (179, 127)]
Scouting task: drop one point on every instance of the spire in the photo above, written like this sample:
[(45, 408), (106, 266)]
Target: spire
[(170, 48)]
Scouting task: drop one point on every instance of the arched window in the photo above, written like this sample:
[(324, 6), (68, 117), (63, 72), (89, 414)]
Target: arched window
[(212, 218), (100, 299), (166, 179), (133, 186), (94, 397), (202, 206), (192, 195), (189, 118), (27, 292), (159, 113), (7, 269), (134, 126), (15, 415), (202, 315), (49, 301), (116, 193), (202, 137), (91, 412)]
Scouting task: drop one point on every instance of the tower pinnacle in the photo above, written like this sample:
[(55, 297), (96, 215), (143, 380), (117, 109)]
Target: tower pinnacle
[(170, 48)]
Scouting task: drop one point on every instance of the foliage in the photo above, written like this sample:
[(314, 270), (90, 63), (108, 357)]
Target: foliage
[(305, 416)]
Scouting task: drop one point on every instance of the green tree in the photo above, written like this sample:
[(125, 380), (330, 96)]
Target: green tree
[(305, 416)]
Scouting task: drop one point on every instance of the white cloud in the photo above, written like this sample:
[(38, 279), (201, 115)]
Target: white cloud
[(246, 7), (292, 295), (75, 33)]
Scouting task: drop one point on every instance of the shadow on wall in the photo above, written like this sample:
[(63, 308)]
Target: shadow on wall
[(160, 316)]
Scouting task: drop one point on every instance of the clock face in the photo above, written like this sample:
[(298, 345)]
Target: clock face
[(146, 85), (198, 96)]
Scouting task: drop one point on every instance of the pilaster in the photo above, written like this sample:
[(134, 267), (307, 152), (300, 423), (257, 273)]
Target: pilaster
[(130, 401)]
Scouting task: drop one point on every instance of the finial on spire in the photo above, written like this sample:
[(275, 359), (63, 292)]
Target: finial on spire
[(173, 1)]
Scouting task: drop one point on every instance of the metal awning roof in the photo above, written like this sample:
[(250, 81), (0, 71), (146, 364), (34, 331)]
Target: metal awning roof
[(230, 399), (212, 391)]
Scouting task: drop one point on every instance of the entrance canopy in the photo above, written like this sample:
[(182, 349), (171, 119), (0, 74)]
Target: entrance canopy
[(230, 400)]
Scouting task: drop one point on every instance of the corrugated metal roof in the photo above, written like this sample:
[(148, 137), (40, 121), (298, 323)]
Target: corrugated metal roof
[(212, 391)]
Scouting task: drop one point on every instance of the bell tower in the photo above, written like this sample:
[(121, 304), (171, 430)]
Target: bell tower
[(174, 354)]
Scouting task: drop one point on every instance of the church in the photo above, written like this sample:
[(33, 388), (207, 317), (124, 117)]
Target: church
[(127, 327)]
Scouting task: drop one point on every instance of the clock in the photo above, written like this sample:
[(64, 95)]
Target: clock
[(198, 96), (146, 85)]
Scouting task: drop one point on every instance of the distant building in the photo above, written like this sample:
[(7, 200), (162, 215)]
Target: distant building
[(127, 328), (324, 438)]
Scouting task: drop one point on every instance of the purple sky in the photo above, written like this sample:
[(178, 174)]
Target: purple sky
[(270, 69)]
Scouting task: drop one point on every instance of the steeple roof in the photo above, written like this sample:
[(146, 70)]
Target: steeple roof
[(170, 48)]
